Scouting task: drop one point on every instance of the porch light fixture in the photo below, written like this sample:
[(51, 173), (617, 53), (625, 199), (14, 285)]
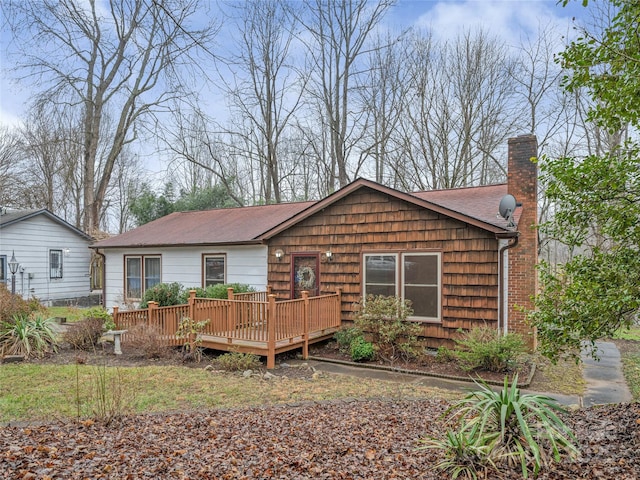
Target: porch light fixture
[(279, 254), (13, 268), (329, 255)]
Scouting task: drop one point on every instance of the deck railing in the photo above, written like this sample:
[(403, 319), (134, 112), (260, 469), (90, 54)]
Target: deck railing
[(242, 317)]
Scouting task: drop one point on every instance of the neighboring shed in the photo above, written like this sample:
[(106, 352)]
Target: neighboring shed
[(54, 257)]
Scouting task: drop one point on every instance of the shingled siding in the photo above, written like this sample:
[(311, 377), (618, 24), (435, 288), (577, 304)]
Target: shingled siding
[(369, 221)]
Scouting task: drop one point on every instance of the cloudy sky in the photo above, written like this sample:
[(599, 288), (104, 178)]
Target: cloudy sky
[(508, 19)]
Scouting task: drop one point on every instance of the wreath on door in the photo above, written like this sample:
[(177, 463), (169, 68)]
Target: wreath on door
[(306, 278)]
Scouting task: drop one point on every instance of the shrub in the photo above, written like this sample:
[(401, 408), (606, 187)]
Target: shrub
[(101, 314), (486, 348), (147, 339), (27, 335), (345, 337), (444, 355), (238, 362), (361, 350), (218, 290), (191, 330), (166, 294), (12, 306), (85, 334), (384, 320)]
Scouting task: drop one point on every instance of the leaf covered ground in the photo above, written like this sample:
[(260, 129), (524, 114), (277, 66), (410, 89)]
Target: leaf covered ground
[(317, 440)]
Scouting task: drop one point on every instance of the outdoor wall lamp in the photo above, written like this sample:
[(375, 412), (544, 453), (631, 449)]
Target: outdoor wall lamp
[(13, 268), (279, 254), (329, 255)]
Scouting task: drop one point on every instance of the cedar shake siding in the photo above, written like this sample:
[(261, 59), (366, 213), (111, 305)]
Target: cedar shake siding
[(369, 221)]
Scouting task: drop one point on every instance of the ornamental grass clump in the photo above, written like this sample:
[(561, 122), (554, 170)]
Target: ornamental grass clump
[(504, 427), (487, 349), (28, 336)]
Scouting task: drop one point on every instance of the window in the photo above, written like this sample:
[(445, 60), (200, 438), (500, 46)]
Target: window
[(141, 273), (214, 269), (55, 263), (3, 268), (413, 276)]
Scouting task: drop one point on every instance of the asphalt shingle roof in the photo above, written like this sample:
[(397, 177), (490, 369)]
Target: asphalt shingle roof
[(254, 224)]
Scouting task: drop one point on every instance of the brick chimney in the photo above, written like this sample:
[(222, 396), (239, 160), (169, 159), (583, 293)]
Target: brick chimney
[(522, 183)]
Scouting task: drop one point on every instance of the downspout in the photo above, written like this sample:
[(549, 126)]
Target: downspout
[(513, 241)]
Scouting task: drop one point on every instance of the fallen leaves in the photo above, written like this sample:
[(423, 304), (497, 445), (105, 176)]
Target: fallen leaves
[(321, 440)]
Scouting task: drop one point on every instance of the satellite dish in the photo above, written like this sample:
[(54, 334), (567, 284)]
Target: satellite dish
[(506, 208)]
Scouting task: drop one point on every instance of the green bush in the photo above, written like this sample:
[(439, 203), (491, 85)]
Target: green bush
[(384, 322), (100, 313), (504, 427), (166, 294), (485, 348), (361, 350), (444, 355), (27, 335), (218, 290), (238, 362), (345, 337)]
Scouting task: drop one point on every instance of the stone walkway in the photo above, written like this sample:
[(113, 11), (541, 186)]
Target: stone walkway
[(605, 380)]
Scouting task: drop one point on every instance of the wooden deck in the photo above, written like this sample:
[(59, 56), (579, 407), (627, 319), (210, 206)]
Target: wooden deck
[(252, 323)]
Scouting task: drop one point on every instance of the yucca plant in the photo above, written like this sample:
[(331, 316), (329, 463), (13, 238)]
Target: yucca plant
[(466, 453), (25, 335), (529, 430), (503, 426)]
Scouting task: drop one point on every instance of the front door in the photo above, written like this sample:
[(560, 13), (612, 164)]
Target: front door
[(305, 274)]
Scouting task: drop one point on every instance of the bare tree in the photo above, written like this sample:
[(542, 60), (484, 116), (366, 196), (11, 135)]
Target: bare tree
[(458, 113), (126, 59), (265, 88), (340, 30), (383, 92), (9, 177)]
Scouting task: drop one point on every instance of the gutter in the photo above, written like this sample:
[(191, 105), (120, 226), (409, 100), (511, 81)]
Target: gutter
[(502, 318)]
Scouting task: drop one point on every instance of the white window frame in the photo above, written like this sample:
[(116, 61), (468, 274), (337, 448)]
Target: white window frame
[(143, 276), (400, 277)]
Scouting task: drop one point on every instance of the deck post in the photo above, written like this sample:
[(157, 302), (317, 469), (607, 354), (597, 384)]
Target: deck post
[(114, 315), (268, 290), (339, 292), (271, 333), (230, 293), (305, 325), (192, 305), (151, 313)]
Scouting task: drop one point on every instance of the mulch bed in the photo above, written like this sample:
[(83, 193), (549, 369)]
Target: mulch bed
[(429, 364), (326, 440)]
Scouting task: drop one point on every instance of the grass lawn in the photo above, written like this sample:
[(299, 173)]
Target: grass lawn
[(32, 392), (72, 314)]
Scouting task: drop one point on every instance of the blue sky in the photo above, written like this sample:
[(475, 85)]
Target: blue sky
[(508, 19)]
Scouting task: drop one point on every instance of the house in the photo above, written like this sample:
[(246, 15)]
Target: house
[(53, 256), (448, 251)]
